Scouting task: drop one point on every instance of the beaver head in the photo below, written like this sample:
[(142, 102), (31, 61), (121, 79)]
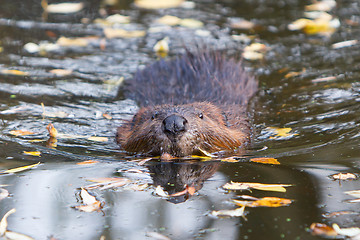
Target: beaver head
[(179, 130)]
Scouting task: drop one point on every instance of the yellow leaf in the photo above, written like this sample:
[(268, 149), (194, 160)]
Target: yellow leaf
[(265, 202), (229, 159), (61, 72), (162, 47), (156, 4), (191, 23), (87, 162), (52, 130), (32, 153), (121, 33), (20, 169), (64, 8), (3, 222), (169, 20), (281, 132), (265, 160), (258, 186), (70, 42), (98, 139), (238, 212), (14, 72), (21, 132)]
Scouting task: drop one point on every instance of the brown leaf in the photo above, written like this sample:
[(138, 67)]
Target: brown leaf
[(90, 203), (14, 72), (87, 162), (265, 160), (322, 229), (52, 130)]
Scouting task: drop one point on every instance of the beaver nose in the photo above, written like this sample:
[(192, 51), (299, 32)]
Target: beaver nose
[(174, 124)]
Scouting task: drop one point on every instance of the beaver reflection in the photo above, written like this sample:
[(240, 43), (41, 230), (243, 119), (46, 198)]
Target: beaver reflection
[(175, 177)]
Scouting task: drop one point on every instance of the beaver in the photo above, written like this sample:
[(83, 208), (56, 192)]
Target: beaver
[(194, 103)]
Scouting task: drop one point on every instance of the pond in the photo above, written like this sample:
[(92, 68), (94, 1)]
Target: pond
[(306, 115)]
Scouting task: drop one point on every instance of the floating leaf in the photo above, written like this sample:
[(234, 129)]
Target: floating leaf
[(169, 20), (52, 130), (72, 42), (157, 4), (354, 193), (3, 222), (162, 47), (20, 169), (87, 162), (16, 236), (339, 213), (324, 25), (191, 23), (294, 74), (61, 72), (90, 203), (343, 176), (121, 33), (98, 139), (157, 236), (64, 7), (242, 24), (118, 19), (281, 132), (265, 202), (238, 212), (107, 116), (322, 229), (349, 232), (254, 51), (258, 186), (32, 153), (3, 193), (324, 6), (14, 72), (106, 183), (265, 160), (160, 192), (324, 79), (21, 132), (137, 187), (344, 44), (230, 159)]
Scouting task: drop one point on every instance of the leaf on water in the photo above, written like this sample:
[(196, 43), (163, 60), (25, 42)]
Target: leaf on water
[(64, 8), (322, 229), (16, 236), (107, 116), (52, 130), (87, 162), (324, 6), (348, 43), (132, 170), (344, 176), (354, 193), (207, 154), (160, 192), (238, 212), (98, 139), (59, 114), (230, 160), (325, 25), (242, 24), (324, 79), (20, 169), (14, 72), (339, 213), (258, 186), (72, 42), (138, 187), (169, 20), (294, 74), (255, 51), (349, 232), (162, 47), (157, 4), (32, 153), (3, 193), (21, 132), (157, 236), (265, 202), (106, 183), (281, 132), (191, 23), (90, 203), (118, 19), (3, 222), (61, 72), (265, 160), (121, 33)]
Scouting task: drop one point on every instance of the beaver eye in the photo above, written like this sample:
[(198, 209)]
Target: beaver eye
[(201, 115)]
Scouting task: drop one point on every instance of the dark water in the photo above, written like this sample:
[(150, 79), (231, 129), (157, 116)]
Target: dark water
[(324, 117)]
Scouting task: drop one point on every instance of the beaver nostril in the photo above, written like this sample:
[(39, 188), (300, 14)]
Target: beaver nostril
[(174, 124)]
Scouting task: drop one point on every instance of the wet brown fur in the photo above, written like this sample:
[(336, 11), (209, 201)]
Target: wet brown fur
[(208, 90)]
